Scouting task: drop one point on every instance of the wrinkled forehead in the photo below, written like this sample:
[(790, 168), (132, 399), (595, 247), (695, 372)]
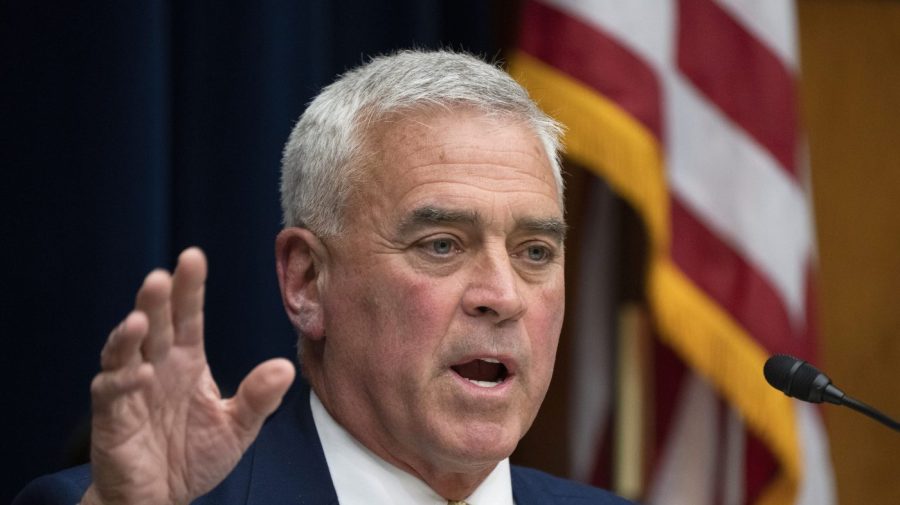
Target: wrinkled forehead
[(454, 161), (399, 137)]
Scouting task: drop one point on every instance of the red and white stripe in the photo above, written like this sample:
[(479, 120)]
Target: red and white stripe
[(714, 81)]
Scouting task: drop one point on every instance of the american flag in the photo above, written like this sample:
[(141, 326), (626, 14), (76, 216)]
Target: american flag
[(688, 110)]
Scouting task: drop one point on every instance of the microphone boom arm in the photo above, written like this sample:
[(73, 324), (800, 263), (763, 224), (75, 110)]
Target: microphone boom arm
[(870, 411)]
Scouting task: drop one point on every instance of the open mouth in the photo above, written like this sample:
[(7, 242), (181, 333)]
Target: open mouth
[(483, 372)]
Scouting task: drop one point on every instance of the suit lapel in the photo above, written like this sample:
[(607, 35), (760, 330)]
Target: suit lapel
[(288, 463), (526, 491)]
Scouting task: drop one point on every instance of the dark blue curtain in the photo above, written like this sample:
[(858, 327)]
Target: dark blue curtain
[(131, 130)]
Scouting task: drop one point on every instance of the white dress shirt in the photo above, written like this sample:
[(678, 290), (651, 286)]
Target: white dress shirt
[(362, 478)]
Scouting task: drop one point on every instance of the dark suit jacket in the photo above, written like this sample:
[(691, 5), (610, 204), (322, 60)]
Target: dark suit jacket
[(286, 465)]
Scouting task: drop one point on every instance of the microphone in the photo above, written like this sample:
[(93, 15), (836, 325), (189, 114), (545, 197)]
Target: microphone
[(798, 379)]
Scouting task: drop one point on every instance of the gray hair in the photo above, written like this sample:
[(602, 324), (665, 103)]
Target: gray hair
[(322, 158)]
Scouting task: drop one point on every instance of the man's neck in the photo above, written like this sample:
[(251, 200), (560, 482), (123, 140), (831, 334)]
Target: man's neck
[(358, 462), (450, 484)]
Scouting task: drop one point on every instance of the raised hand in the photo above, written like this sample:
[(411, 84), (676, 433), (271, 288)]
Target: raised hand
[(161, 432)]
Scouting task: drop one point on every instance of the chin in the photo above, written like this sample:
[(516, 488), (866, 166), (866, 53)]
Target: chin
[(484, 444)]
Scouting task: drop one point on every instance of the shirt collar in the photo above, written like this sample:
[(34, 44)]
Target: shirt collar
[(362, 478)]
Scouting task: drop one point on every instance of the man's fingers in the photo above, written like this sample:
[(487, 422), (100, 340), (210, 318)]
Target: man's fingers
[(261, 392), (188, 286), (153, 299), (107, 387), (123, 347)]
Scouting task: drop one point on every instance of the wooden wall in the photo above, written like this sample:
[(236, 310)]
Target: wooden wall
[(850, 54)]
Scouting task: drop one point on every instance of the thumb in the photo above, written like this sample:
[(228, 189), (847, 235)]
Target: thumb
[(261, 392)]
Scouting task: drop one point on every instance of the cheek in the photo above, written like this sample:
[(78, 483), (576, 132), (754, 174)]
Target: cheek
[(547, 321), (409, 318), (430, 306)]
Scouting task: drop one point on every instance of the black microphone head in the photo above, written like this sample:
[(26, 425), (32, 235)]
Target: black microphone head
[(795, 377), (777, 371)]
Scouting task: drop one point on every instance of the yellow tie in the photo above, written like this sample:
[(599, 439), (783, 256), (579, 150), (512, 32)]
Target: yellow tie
[(454, 502)]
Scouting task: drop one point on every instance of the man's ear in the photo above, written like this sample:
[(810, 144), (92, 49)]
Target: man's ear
[(299, 257)]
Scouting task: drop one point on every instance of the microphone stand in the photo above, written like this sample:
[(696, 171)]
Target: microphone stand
[(871, 412)]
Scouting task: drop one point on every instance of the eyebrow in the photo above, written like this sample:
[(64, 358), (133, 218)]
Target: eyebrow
[(553, 227), (432, 216), (424, 217)]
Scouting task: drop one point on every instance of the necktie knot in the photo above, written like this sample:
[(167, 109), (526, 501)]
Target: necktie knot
[(455, 502)]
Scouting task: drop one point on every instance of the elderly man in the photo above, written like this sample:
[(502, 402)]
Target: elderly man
[(422, 266)]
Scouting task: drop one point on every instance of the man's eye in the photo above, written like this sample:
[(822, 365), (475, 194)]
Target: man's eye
[(538, 253), (441, 246)]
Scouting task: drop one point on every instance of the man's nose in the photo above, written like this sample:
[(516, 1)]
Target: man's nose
[(494, 290)]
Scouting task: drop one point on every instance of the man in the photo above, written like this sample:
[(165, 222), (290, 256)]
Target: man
[(422, 266)]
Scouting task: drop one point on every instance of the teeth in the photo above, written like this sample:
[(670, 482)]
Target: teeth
[(489, 360), (484, 384)]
